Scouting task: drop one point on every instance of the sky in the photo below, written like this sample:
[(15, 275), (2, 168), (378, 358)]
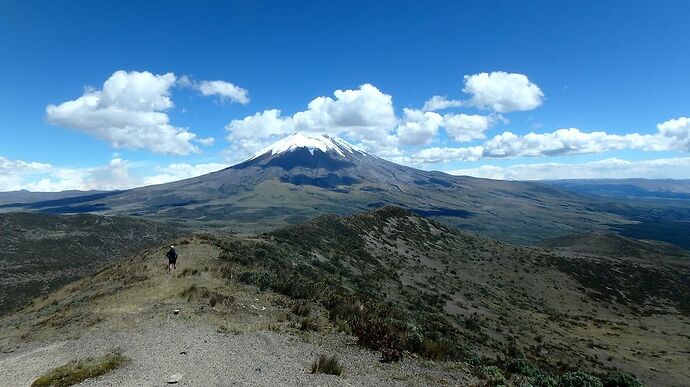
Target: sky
[(112, 95)]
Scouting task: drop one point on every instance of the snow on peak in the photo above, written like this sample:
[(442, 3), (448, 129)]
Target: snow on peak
[(311, 141)]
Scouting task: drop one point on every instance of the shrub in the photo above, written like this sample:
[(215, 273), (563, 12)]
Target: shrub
[(77, 371), (579, 379), (309, 324), (521, 366), (434, 350), (301, 309), (492, 375), (621, 379), (327, 365), (543, 380)]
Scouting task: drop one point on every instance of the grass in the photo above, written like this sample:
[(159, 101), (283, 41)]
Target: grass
[(301, 309), (77, 371), (309, 324), (327, 365)]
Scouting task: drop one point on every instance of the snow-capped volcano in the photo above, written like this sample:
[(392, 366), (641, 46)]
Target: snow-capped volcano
[(311, 142)]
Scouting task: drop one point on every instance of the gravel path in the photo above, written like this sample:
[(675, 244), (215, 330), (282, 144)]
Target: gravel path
[(204, 357)]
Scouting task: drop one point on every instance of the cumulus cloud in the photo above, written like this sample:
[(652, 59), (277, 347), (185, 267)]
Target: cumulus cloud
[(672, 135), (208, 141), (13, 172), (418, 127), (502, 92), (467, 127), (42, 177), (669, 168), (362, 114), (436, 155), (117, 174), (438, 102), (129, 111), (226, 91), (678, 129), (175, 172)]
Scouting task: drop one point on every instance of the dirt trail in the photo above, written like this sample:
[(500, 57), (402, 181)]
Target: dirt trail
[(206, 357)]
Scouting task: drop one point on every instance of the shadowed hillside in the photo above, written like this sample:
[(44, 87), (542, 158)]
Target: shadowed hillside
[(41, 252)]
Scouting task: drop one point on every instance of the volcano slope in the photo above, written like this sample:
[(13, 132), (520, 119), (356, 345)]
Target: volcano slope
[(396, 283)]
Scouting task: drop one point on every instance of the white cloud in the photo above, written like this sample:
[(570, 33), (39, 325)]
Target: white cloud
[(679, 129), (13, 172), (418, 127), (438, 102), (466, 127), (570, 141), (672, 136), (363, 114), (42, 177), (441, 155), (175, 172), (129, 111), (502, 92), (225, 90), (670, 168), (208, 141)]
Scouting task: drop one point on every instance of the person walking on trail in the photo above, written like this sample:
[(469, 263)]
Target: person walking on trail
[(172, 259)]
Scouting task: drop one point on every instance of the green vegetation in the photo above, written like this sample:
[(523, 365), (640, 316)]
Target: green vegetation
[(349, 284), (327, 365), (301, 309), (363, 270), (579, 379), (492, 375), (621, 379), (77, 371)]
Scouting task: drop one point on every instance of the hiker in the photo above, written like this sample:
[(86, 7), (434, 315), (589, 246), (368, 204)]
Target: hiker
[(172, 258)]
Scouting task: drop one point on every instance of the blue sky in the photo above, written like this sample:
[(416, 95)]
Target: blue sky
[(617, 67)]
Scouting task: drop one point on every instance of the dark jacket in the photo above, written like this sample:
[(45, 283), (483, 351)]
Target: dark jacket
[(171, 254)]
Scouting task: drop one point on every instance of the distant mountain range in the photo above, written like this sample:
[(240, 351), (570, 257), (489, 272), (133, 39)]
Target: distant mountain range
[(24, 196), (305, 175), (628, 188)]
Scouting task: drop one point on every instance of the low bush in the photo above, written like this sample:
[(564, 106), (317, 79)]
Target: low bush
[(77, 371), (492, 375), (309, 324), (579, 379), (327, 365), (521, 366), (301, 309), (543, 380), (621, 379)]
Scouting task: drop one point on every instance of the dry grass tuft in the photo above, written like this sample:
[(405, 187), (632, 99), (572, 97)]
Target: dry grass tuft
[(77, 371), (327, 365)]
